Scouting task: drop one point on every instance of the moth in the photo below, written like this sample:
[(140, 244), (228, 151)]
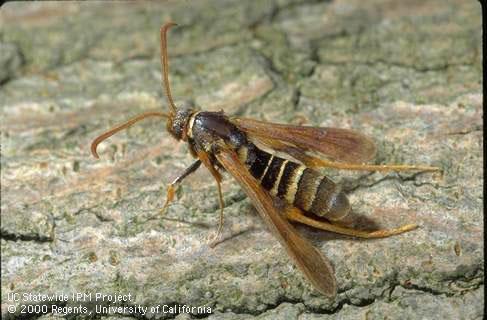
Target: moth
[(252, 152)]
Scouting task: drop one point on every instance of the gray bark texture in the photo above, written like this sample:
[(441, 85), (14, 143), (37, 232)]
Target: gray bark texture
[(406, 73)]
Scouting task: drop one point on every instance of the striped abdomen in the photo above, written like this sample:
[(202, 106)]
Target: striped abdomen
[(298, 185)]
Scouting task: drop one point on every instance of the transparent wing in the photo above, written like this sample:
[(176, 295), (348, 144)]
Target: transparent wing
[(309, 260), (338, 144)]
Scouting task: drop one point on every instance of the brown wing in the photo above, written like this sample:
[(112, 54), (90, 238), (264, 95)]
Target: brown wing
[(338, 144), (310, 261)]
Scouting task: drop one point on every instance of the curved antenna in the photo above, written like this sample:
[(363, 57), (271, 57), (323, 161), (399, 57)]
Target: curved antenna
[(165, 65), (122, 126)]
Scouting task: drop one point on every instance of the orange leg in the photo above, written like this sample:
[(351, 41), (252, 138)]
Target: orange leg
[(203, 156), (171, 191), (217, 237), (371, 167), (295, 214), (171, 188)]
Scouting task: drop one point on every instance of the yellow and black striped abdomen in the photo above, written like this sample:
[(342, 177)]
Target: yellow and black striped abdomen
[(298, 185)]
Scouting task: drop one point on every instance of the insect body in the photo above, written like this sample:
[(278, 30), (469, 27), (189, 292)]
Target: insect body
[(241, 147), (298, 185)]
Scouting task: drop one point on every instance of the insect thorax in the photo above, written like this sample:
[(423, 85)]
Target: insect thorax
[(208, 128)]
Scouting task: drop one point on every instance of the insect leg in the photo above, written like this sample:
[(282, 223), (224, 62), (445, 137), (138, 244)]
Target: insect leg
[(371, 167), (214, 241), (171, 188), (295, 214), (203, 156)]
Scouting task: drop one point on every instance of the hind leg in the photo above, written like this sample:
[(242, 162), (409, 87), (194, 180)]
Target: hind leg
[(295, 214)]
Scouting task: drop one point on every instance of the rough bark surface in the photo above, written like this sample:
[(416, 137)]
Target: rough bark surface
[(407, 73)]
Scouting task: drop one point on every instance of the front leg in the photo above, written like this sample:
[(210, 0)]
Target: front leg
[(171, 188)]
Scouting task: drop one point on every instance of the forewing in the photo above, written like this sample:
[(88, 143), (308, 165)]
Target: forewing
[(338, 144), (310, 261)]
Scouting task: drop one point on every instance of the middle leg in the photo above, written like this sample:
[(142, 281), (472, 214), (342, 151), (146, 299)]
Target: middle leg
[(203, 156)]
